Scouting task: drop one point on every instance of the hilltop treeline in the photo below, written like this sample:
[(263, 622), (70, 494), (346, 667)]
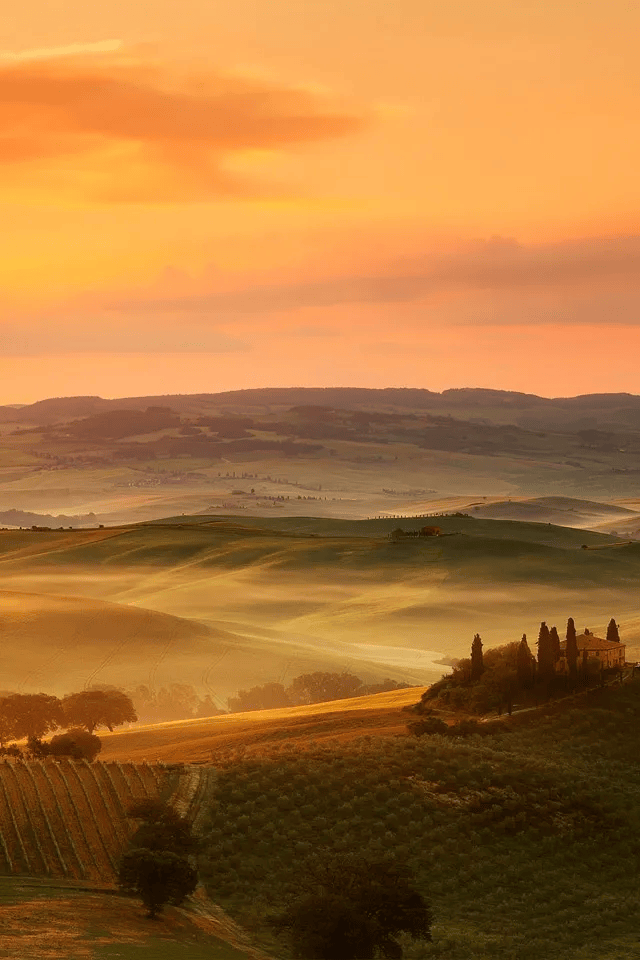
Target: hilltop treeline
[(179, 701), (308, 688)]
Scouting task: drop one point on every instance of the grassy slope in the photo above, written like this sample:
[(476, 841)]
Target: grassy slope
[(45, 919), (527, 842), (196, 741)]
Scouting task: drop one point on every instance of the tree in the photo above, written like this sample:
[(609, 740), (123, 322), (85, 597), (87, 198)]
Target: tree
[(546, 662), (176, 702), (98, 708), (477, 665), (162, 828), (75, 743), (265, 697), (612, 631), (319, 687), (524, 664), (571, 651), (157, 877), (29, 715), (207, 708), (555, 643), (353, 906)]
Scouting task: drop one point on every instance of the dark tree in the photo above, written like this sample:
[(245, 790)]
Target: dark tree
[(612, 631), (354, 907), (29, 715), (555, 643), (98, 708), (524, 664), (157, 877), (477, 664), (162, 828), (571, 651), (75, 743), (546, 661)]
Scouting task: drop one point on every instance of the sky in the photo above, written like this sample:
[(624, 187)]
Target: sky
[(199, 196)]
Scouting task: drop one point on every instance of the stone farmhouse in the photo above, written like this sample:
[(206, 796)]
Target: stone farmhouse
[(609, 653)]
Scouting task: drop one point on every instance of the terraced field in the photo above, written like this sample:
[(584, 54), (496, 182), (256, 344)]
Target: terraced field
[(67, 819)]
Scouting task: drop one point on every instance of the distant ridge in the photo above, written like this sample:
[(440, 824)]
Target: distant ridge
[(56, 409)]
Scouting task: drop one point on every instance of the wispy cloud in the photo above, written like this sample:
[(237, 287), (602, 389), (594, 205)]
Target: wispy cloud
[(71, 50), (98, 333), (128, 128), (499, 265)]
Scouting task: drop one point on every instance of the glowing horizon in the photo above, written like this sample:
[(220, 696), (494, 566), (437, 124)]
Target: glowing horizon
[(358, 194)]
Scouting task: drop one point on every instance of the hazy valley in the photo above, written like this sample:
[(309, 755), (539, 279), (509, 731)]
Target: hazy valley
[(225, 542)]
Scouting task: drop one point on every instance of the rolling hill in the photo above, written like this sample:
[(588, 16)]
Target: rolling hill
[(334, 452), (224, 604)]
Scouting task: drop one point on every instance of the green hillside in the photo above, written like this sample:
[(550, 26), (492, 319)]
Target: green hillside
[(526, 841), (510, 549)]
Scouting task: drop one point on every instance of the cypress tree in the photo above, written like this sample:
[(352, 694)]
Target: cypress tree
[(524, 664), (612, 631), (477, 664), (546, 668), (571, 651), (555, 643)]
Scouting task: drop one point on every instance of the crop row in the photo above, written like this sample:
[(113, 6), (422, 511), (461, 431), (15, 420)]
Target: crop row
[(68, 818)]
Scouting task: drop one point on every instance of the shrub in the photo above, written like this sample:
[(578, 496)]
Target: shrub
[(77, 744)]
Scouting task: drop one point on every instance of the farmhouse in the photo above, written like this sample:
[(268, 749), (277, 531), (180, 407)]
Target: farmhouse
[(609, 653)]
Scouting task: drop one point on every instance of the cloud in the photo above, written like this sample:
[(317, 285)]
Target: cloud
[(103, 333), (131, 128), (71, 50), (498, 266)]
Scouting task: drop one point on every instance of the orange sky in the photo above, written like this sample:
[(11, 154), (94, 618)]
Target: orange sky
[(198, 197)]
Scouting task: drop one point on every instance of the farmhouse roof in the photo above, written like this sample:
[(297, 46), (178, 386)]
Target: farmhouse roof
[(590, 642)]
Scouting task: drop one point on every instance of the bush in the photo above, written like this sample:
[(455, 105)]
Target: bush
[(77, 744), (428, 725)]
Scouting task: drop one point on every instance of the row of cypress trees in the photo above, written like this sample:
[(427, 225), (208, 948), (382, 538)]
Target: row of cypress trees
[(549, 652)]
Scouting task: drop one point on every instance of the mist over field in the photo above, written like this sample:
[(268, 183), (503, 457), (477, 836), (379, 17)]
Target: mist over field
[(255, 560)]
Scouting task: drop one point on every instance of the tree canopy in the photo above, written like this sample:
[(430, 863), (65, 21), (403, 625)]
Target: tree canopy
[(161, 828), (353, 906), (318, 687), (29, 715), (477, 664), (612, 631), (158, 877), (98, 708), (546, 653)]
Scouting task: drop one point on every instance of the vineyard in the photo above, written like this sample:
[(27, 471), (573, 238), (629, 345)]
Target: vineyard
[(67, 818)]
